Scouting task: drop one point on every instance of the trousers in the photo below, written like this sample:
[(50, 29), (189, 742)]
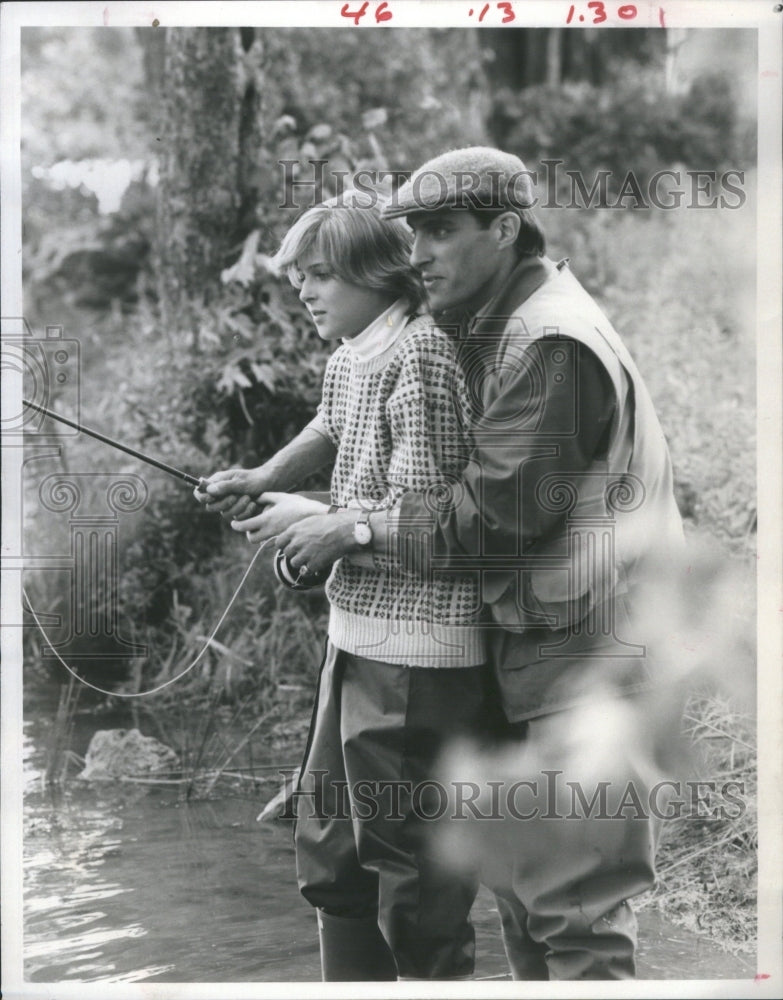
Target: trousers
[(367, 806), (564, 901), (578, 837)]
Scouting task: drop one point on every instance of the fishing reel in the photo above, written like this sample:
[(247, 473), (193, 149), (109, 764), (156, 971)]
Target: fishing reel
[(296, 579)]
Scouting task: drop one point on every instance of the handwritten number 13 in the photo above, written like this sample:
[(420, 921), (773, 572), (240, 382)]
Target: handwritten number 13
[(506, 8)]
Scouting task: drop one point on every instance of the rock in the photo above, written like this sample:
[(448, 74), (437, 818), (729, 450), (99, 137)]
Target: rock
[(116, 753)]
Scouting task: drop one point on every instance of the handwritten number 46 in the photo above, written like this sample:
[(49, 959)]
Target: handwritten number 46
[(382, 12)]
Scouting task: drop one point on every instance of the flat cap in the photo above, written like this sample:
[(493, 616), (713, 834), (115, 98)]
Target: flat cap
[(474, 177)]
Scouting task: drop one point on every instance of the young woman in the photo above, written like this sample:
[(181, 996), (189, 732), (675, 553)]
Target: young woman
[(403, 671)]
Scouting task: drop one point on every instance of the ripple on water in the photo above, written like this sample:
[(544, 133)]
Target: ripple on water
[(126, 884)]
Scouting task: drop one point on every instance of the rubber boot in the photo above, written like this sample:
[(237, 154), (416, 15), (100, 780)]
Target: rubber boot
[(353, 950)]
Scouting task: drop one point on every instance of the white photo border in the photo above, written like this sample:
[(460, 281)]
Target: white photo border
[(767, 18)]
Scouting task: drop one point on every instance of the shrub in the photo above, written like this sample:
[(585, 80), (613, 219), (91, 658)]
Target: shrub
[(633, 125)]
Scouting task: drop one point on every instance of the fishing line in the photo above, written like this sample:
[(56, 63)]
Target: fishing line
[(171, 680)]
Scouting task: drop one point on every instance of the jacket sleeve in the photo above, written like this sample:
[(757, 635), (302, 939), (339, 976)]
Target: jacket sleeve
[(551, 414)]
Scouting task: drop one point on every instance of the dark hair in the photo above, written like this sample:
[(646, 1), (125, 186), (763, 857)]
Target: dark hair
[(530, 242), (357, 245)]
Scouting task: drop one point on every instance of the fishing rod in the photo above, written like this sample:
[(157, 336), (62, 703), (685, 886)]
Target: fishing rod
[(192, 480), (282, 569)]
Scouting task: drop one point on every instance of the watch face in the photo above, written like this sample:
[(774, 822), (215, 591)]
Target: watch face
[(362, 532)]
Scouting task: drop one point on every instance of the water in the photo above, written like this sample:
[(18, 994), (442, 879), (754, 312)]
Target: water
[(125, 883)]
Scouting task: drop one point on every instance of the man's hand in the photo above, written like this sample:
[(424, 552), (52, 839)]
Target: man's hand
[(281, 510), (234, 493), (317, 542)]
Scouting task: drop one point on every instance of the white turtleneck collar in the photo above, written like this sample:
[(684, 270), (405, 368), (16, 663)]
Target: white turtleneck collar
[(381, 334)]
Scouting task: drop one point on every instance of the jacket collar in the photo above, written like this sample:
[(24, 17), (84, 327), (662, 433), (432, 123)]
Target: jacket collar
[(528, 276)]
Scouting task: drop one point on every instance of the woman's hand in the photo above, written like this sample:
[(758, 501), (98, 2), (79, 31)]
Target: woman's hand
[(281, 510)]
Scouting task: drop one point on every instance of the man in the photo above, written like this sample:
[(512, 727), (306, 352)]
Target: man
[(564, 508)]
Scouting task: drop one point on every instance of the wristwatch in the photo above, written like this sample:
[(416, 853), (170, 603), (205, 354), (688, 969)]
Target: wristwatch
[(362, 532)]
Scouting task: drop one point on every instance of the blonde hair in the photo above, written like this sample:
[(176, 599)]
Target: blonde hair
[(357, 246)]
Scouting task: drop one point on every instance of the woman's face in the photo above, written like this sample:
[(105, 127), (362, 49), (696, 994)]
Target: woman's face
[(338, 308)]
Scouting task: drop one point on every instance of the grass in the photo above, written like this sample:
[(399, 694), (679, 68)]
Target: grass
[(707, 867), (59, 755)]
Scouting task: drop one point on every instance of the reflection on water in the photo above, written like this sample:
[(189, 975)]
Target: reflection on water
[(124, 883)]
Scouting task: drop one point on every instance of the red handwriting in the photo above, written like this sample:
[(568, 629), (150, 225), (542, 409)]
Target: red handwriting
[(382, 12), (594, 12), (760, 977), (626, 12), (506, 9), (662, 17)]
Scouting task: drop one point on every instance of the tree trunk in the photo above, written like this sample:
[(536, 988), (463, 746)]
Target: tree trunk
[(251, 153), (554, 57), (199, 195), (153, 48)]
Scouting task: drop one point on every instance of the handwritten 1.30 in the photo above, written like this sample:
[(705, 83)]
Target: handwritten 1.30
[(626, 12)]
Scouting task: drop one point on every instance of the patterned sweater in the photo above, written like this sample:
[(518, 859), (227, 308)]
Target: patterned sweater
[(399, 422)]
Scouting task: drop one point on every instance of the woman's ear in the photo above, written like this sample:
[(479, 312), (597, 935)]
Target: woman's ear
[(506, 228)]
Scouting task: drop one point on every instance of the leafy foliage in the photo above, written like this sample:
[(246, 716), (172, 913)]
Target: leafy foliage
[(428, 81), (632, 125), (70, 114), (82, 259), (244, 380)]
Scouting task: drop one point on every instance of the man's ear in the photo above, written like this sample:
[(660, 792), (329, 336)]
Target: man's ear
[(506, 228)]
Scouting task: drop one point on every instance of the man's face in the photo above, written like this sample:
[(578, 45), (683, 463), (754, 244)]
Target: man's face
[(455, 257)]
